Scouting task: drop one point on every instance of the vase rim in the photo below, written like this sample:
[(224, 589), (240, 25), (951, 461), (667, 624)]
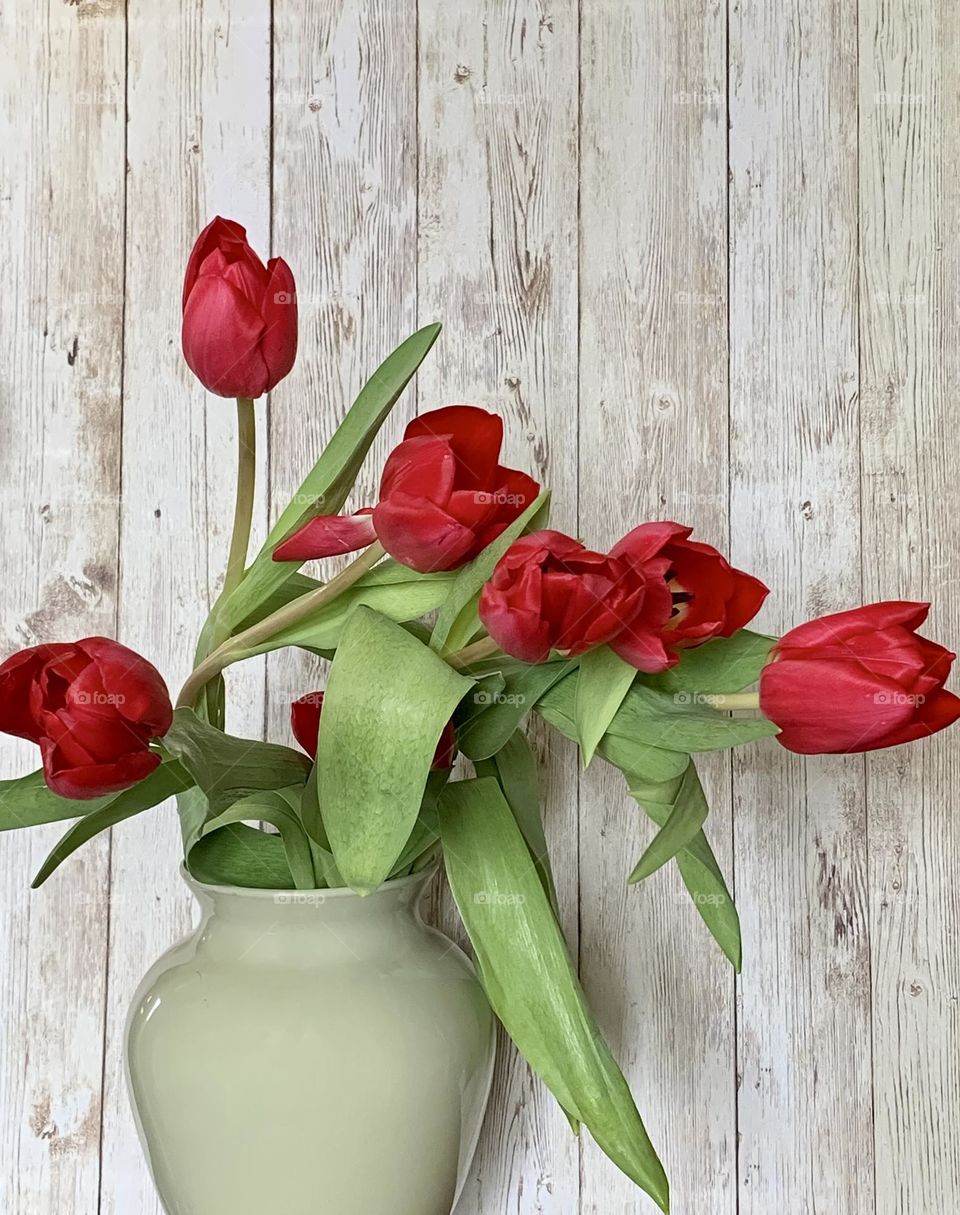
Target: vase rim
[(325, 892)]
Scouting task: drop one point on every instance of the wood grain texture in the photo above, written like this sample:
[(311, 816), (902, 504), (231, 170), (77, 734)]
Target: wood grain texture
[(910, 373), (498, 262), (197, 143), (800, 827), (653, 445), (703, 258), (61, 312), (344, 196)]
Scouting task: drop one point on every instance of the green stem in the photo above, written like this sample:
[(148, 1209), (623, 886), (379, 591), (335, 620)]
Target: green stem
[(486, 647), (246, 483), (243, 644), (735, 700)]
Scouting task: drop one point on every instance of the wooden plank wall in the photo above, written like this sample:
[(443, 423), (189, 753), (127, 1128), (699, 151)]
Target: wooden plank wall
[(704, 260)]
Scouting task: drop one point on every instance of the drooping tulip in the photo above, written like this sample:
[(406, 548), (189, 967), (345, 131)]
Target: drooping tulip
[(93, 707), (857, 681)]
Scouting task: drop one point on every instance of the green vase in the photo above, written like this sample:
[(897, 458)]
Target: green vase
[(310, 1053)]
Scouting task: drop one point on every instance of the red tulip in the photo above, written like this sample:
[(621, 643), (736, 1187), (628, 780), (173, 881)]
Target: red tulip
[(710, 597), (305, 720), (858, 680), (239, 316), (93, 706), (444, 496), (549, 592)]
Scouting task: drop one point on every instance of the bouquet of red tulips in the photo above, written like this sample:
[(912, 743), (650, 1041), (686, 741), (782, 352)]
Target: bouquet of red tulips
[(461, 615)]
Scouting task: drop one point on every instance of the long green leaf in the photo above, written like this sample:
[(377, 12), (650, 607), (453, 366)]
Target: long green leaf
[(27, 802), (387, 700), (530, 980), (516, 769), (227, 768), (488, 718), (280, 808), (603, 681), (166, 781), (451, 632), (726, 664), (240, 855), (704, 880), (685, 815), (327, 486)]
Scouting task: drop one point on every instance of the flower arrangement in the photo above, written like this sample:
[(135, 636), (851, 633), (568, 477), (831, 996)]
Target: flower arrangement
[(461, 616)]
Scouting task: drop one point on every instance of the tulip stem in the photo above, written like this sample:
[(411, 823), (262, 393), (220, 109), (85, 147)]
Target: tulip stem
[(735, 700), (234, 649), (246, 483), (486, 647)]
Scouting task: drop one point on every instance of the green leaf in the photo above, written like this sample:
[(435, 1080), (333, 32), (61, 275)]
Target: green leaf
[(670, 721), (684, 815), (488, 718), (515, 768), (426, 831), (327, 486), (391, 589), (387, 700), (27, 802), (227, 768), (704, 880), (457, 622), (169, 779), (530, 980), (239, 855), (280, 808), (726, 664), (602, 683), (630, 755)]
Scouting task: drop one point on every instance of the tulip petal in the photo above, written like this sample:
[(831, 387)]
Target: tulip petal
[(94, 780), (216, 234), (867, 619), (420, 534), (221, 340), (18, 687), (421, 467), (935, 713), (278, 308), (644, 650), (328, 536), (305, 721), (135, 687), (648, 539), (475, 437)]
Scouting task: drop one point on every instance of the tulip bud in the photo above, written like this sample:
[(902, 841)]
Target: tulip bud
[(239, 316), (857, 681)]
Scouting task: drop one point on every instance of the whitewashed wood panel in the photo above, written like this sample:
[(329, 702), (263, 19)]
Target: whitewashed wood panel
[(800, 827), (197, 143), (344, 202), (61, 310), (559, 185), (498, 264), (653, 445), (910, 374)]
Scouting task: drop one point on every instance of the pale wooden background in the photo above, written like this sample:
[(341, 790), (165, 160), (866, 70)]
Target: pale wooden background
[(704, 258)]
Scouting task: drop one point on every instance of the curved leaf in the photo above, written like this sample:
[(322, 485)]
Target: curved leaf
[(683, 817), (27, 802), (279, 807), (166, 781), (530, 980), (239, 855), (603, 681)]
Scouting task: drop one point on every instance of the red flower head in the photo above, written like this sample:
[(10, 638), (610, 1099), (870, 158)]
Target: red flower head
[(859, 680), (444, 496), (239, 316), (305, 720), (549, 592), (93, 706), (710, 597)]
